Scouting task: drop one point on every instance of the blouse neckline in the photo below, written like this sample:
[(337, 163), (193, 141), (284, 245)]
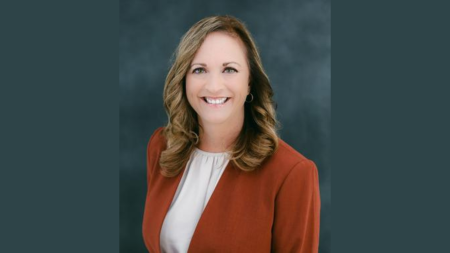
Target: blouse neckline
[(199, 151)]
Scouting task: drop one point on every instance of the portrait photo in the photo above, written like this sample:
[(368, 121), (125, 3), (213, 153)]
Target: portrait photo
[(225, 126)]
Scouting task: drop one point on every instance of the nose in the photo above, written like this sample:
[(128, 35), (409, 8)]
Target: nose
[(214, 83)]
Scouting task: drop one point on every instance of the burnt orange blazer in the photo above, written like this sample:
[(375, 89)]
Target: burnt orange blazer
[(273, 209)]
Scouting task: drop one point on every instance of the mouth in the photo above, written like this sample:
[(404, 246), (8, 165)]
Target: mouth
[(215, 101)]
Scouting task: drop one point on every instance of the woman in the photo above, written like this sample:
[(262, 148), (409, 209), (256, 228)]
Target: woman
[(219, 178)]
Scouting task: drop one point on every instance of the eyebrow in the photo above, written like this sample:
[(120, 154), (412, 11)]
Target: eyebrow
[(224, 64)]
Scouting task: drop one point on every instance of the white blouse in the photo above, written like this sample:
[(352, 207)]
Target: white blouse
[(198, 182)]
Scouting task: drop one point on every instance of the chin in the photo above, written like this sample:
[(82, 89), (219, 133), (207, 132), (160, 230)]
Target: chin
[(214, 120)]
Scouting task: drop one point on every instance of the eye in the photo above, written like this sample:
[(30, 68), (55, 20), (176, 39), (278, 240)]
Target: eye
[(198, 71), (230, 70)]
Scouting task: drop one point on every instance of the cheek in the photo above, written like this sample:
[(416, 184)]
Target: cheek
[(240, 88), (191, 90)]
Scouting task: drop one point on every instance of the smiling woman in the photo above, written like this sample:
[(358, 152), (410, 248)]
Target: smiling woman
[(219, 177), (217, 90), (217, 58)]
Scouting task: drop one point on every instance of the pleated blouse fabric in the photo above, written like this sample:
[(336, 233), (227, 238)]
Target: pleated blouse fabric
[(198, 182)]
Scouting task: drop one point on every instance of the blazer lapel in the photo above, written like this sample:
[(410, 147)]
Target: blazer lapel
[(214, 204), (163, 192), (166, 191)]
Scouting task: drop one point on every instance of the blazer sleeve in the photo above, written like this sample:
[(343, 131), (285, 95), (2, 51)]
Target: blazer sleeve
[(152, 155), (297, 211)]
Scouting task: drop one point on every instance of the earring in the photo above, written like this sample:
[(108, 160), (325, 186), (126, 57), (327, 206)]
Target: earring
[(196, 137), (250, 100)]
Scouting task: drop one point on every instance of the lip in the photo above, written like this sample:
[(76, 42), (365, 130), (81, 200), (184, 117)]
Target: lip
[(216, 105), (214, 97)]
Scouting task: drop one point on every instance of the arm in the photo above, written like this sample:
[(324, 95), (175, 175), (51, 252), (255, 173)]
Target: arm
[(297, 211), (152, 157)]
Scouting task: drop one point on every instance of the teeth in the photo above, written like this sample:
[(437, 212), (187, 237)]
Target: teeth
[(215, 101)]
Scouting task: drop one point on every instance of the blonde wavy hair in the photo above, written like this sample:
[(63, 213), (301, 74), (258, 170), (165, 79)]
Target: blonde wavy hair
[(258, 138)]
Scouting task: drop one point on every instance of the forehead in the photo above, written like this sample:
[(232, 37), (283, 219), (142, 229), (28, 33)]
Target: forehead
[(221, 46)]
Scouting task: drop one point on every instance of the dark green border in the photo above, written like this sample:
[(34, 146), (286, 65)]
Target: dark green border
[(390, 126), (59, 178)]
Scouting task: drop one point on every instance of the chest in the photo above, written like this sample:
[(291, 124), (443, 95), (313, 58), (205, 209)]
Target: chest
[(237, 218)]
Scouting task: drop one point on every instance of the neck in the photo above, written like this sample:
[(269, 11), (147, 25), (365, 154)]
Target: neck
[(218, 138)]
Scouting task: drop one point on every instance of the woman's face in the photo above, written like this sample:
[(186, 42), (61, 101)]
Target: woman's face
[(217, 82)]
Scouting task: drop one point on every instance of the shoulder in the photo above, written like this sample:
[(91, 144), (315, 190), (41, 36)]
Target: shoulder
[(286, 156), (286, 151), (287, 161), (157, 142)]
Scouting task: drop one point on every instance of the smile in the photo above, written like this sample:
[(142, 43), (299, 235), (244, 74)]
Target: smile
[(216, 101)]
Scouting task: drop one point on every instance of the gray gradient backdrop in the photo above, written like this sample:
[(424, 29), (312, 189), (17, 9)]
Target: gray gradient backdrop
[(294, 42)]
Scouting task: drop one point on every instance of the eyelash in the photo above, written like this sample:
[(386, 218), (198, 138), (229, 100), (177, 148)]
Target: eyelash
[(202, 69)]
